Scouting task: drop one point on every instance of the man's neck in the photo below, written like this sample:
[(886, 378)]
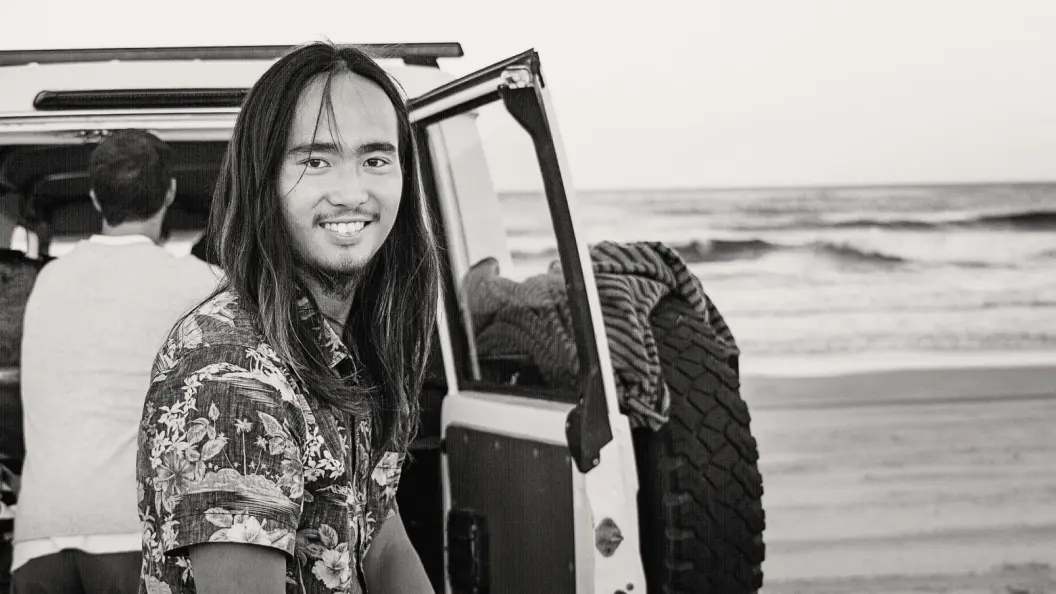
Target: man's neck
[(334, 307), (333, 295), (150, 229)]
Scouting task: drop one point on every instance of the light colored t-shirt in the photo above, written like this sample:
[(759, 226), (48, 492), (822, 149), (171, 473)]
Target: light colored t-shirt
[(93, 324)]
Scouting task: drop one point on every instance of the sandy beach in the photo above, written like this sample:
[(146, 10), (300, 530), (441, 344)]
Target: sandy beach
[(921, 480)]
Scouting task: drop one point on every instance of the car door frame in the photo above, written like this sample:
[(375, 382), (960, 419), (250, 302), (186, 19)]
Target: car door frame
[(590, 426)]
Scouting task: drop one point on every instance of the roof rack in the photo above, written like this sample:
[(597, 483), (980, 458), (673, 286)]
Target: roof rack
[(138, 99), (417, 54)]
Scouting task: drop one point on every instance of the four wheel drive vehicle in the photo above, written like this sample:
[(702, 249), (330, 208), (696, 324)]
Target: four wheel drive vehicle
[(523, 478)]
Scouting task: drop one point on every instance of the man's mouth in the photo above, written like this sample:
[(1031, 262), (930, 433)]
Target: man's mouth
[(346, 228)]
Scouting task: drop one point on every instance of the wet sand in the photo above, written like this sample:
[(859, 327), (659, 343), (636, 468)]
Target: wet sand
[(938, 480)]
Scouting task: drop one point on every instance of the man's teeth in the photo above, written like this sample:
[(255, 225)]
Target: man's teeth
[(345, 227)]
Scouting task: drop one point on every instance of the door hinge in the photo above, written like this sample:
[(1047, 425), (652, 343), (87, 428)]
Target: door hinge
[(517, 77)]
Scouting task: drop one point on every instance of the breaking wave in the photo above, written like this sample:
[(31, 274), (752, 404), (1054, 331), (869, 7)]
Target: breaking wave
[(1029, 220), (727, 250), (724, 250)]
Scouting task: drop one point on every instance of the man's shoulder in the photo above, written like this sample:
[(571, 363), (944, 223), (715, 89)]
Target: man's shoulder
[(219, 330), (218, 350), (135, 259), (196, 266), (224, 319), (55, 277), (220, 322), (185, 270)]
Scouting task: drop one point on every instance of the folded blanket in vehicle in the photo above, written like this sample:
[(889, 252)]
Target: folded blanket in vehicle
[(17, 275), (533, 318)]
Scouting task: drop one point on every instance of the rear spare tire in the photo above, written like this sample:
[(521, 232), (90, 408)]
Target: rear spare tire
[(701, 518)]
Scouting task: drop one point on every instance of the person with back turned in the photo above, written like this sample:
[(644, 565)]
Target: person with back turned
[(93, 322)]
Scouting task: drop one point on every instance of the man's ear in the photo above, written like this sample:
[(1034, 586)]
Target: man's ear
[(95, 201), (170, 195)]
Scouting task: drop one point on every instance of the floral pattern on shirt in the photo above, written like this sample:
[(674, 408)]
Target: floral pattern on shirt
[(233, 449)]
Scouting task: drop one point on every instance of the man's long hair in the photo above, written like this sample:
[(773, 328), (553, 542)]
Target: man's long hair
[(395, 306)]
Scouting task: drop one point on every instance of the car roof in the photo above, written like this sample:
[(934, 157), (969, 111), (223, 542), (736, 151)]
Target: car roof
[(56, 172), (26, 74)]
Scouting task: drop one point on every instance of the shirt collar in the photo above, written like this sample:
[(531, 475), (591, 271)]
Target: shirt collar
[(325, 334), (119, 239)]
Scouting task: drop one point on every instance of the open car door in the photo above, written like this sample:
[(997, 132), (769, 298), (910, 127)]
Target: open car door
[(538, 468)]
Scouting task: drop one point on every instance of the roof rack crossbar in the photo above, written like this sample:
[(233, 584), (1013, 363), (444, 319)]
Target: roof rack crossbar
[(411, 53)]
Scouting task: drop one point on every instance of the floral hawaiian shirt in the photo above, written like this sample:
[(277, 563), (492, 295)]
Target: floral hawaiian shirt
[(233, 449)]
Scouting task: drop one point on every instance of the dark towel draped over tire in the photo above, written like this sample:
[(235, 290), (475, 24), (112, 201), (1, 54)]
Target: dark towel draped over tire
[(533, 318)]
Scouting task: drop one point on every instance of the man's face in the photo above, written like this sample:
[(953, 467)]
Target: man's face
[(341, 181)]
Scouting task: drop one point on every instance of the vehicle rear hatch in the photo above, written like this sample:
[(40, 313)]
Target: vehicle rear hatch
[(58, 103)]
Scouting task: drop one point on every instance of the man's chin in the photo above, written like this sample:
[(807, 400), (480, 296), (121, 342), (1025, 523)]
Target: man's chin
[(335, 280)]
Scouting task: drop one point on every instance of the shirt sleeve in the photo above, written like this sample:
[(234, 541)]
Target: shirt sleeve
[(220, 459), (385, 480)]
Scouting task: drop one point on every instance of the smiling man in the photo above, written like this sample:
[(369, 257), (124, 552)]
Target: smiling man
[(280, 409)]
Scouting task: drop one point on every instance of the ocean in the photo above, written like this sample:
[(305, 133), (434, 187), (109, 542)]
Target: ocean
[(871, 272)]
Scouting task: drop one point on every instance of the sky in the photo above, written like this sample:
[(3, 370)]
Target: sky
[(666, 94)]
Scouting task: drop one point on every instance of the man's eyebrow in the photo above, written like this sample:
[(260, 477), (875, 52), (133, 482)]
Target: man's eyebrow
[(376, 147), (333, 149), (314, 147)]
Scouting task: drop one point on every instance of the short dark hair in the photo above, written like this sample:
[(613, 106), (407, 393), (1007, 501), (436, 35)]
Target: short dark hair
[(129, 173)]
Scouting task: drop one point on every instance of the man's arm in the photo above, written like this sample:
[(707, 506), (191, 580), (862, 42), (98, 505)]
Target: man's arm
[(392, 565), (237, 522), (230, 568)]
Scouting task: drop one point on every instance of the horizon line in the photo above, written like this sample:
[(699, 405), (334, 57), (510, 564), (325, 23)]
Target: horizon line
[(804, 186)]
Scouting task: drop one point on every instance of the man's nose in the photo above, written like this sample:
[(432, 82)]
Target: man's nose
[(349, 190)]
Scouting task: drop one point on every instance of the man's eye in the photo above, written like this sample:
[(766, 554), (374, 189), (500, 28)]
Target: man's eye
[(315, 163), (376, 162)]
